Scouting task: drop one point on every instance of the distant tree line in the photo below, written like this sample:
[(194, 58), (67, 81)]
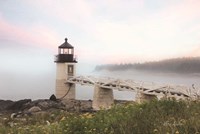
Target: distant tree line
[(177, 65)]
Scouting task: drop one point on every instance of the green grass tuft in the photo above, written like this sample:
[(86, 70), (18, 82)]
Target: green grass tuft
[(155, 117)]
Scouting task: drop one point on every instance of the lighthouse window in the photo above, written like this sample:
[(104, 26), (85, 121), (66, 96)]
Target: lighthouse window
[(70, 51), (70, 70), (61, 51), (65, 51)]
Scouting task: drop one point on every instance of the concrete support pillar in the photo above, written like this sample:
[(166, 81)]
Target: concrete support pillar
[(103, 98), (146, 97)]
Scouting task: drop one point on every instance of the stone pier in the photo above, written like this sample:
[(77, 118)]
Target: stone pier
[(103, 98), (146, 97)]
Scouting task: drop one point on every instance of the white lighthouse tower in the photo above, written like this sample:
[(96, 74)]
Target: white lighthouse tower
[(65, 61)]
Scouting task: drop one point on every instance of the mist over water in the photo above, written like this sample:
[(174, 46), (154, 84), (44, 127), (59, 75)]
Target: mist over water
[(41, 84), (160, 78), (26, 72), (25, 85)]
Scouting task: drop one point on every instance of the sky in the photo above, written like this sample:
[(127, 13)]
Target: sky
[(101, 31)]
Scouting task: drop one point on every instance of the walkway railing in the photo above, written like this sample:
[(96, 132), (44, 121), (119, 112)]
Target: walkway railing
[(150, 88)]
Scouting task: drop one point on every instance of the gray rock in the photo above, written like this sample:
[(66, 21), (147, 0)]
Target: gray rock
[(53, 98), (16, 115), (69, 104), (29, 107), (13, 115), (44, 104), (18, 105), (86, 106), (48, 104), (34, 109), (5, 104)]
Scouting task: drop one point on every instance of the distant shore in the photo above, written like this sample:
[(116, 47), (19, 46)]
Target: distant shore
[(186, 65)]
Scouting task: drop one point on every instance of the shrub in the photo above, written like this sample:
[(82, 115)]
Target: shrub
[(165, 116)]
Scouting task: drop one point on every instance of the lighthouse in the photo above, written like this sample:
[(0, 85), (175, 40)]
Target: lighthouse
[(65, 62)]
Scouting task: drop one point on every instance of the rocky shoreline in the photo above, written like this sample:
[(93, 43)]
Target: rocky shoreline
[(29, 107)]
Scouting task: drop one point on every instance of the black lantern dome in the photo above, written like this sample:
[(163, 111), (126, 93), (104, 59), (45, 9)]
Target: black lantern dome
[(65, 53), (66, 44)]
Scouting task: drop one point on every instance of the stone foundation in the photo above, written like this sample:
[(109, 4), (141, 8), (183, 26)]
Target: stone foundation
[(146, 97), (64, 91), (103, 98)]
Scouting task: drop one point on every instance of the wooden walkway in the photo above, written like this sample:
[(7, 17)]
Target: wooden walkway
[(176, 91)]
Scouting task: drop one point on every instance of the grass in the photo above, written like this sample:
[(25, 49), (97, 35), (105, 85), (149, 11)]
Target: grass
[(155, 117)]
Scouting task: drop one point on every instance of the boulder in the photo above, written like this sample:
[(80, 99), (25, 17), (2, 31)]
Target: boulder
[(4, 104), (86, 106), (44, 105), (13, 115), (18, 105), (34, 109), (16, 115), (69, 104), (27, 107), (53, 98), (48, 104)]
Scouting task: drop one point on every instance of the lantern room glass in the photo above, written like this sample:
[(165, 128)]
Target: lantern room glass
[(66, 51)]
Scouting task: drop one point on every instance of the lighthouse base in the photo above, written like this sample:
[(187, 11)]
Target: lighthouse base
[(65, 90)]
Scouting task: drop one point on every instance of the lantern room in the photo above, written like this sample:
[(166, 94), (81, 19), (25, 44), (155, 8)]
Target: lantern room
[(65, 53)]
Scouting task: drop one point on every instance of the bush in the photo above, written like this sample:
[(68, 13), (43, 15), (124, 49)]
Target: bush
[(165, 116)]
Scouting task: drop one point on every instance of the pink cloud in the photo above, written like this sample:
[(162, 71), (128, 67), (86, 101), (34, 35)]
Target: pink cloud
[(148, 36), (194, 53), (180, 13), (36, 36), (73, 12)]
